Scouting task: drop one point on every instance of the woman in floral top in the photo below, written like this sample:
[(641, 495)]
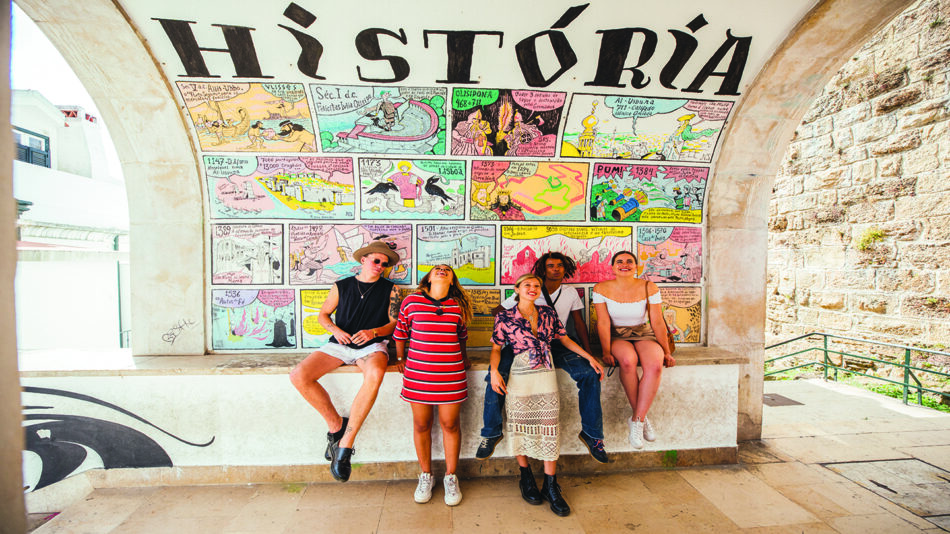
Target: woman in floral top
[(532, 402)]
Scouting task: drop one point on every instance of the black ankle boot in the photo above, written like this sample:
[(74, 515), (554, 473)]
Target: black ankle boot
[(340, 466), (551, 492), (333, 439), (529, 488)]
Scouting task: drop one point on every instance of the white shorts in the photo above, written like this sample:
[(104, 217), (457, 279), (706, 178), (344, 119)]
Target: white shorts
[(350, 356)]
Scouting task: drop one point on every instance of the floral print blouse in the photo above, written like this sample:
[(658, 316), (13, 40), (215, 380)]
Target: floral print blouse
[(511, 328)]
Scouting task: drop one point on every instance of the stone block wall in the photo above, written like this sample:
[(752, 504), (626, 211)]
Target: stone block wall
[(859, 220)]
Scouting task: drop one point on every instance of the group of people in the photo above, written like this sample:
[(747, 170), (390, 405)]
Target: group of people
[(529, 341)]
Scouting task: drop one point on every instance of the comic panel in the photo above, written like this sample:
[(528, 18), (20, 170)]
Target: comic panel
[(528, 191), (280, 187), (647, 128), (252, 319), (469, 249), (682, 309), (247, 253), (670, 254), (313, 335), (412, 189), (253, 117), (323, 253), (504, 122), (647, 193), (483, 321), (382, 120), (591, 248)]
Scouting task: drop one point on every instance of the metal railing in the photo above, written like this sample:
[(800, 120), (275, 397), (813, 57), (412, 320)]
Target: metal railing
[(903, 361)]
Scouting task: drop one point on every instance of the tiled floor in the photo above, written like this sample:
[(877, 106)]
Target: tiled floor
[(781, 485)]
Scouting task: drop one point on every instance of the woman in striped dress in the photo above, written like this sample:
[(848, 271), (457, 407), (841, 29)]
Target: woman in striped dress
[(433, 320)]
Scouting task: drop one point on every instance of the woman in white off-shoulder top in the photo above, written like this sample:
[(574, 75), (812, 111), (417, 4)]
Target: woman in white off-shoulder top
[(626, 307)]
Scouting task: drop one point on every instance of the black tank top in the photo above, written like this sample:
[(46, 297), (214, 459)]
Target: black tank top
[(354, 313)]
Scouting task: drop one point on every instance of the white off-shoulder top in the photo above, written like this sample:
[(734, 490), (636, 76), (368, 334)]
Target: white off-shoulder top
[(627, 313)]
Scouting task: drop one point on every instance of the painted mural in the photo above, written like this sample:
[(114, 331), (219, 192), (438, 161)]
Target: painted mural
[(682, 309), (504, 122), (249, 117), (247, 254), (445, 166), (412, 189), (323, 253), (528, 191), (590, 247), (280, 187), (380, 119), (469, 249), (646, 128), (484, 301), (670, 254), (647, 193), (67, 432), (314, 335), (244, 319)]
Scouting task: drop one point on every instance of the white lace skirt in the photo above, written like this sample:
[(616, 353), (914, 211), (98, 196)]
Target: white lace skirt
[(533, 407)]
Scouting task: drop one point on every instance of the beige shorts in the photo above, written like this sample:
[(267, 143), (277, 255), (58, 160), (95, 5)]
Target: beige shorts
[(633, 333)]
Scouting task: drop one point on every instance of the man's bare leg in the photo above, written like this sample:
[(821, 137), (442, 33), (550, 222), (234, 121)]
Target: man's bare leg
[(305, 378), (374, 369)]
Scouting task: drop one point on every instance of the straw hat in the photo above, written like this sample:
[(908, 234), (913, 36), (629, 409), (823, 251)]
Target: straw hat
[(377, 247)]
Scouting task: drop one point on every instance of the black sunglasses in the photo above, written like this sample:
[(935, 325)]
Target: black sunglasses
[(377, 261)]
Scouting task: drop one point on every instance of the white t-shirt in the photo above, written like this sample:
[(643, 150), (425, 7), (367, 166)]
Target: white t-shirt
[(565, 301), (627, 313)]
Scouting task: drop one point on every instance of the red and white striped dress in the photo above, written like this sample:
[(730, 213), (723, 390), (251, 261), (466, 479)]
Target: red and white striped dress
[(435, 372)]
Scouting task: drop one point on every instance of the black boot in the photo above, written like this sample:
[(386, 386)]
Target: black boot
[(340, 466), (551, 492), (529, 488), (333, 439)]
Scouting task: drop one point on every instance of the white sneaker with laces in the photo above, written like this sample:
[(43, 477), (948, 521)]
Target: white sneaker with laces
[(424, 488), (648, 433), (453, 495), (636, 433)]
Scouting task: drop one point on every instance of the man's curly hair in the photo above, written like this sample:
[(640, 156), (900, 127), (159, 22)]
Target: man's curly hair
[(570, 267)]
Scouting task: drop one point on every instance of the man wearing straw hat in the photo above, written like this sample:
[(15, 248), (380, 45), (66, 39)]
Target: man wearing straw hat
[(366, 307)]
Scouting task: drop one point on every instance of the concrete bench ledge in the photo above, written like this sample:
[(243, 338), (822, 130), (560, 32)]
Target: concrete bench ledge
[(237, 419), (223, 364)]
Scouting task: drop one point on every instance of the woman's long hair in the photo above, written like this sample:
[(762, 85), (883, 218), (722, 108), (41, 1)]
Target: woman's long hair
[(456, 291)]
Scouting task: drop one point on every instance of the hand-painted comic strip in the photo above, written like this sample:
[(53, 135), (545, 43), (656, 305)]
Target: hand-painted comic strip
[(504, 122), (412, 189), (528, 190), (255, 117), (647, 193), (247, 253), (313, 335), (323, 253), (682, 309), (647, 128), (468, 249), (483, 322), (589, 246), (670, 253), (280, 187), (252, 319), (382, 120)]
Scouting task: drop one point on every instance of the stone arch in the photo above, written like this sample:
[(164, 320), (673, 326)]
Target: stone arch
[(160, 165)]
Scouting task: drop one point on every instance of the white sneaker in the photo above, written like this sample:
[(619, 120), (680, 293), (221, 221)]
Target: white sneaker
[(453, 495), (424, 489), (636, 433), (648, 433)]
